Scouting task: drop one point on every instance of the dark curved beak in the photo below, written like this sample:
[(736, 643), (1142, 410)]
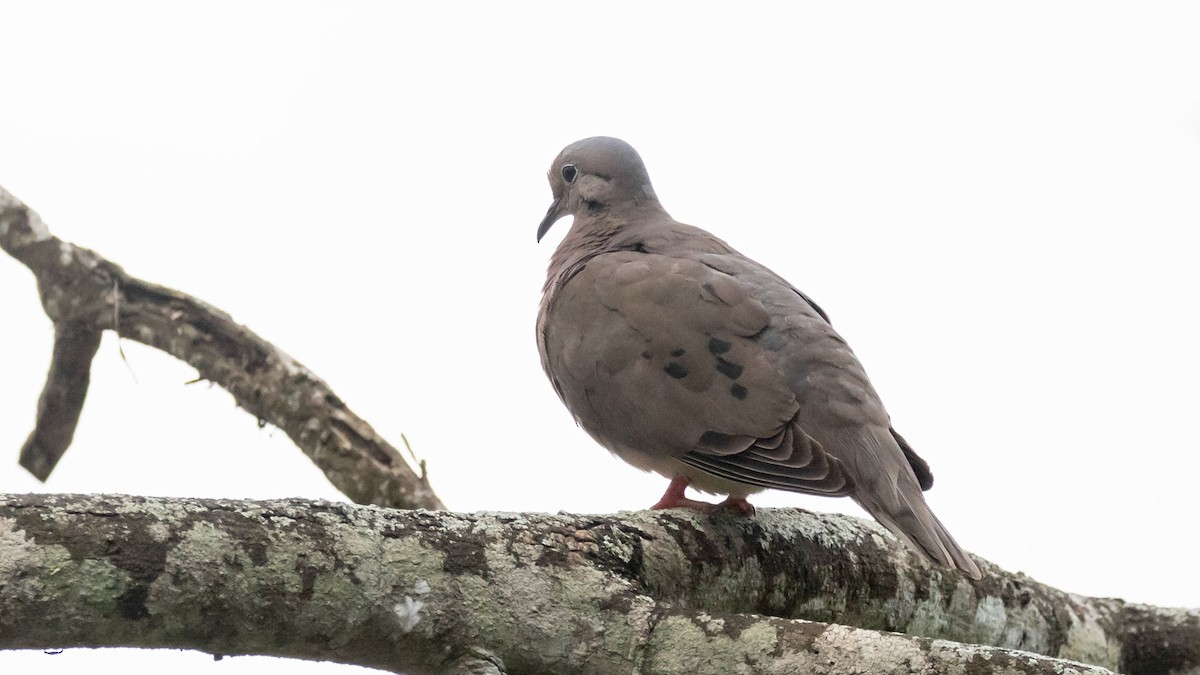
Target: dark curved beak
[(552, 216)]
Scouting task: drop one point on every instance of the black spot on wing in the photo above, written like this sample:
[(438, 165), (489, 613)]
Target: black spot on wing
[(646, 354), (739, 392), (731, 370), (718, 346), (722, 443), (678, 352), (676, 370)]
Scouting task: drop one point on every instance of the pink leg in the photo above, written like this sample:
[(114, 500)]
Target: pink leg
[(673, 499)]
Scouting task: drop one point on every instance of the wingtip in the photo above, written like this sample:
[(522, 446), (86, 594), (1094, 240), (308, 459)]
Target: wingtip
[(969, 568), (963, 562)]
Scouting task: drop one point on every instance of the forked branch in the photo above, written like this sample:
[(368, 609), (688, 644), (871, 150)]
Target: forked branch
[(85, 294)]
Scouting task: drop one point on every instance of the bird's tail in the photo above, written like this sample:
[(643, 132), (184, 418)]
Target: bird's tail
[(889, 491), (915, 525)]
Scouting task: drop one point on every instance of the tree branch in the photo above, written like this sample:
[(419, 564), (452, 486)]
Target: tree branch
[(661, 592), (85, 294), (61, 403)]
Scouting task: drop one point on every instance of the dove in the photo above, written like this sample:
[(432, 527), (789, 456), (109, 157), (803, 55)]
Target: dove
[(684, 357)]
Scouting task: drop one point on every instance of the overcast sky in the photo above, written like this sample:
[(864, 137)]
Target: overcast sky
[(997, 205)]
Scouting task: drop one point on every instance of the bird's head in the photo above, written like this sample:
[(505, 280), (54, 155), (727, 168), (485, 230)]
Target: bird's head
[(592, 176)]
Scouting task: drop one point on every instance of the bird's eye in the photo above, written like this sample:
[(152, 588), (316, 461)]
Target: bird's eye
[(569, 173)]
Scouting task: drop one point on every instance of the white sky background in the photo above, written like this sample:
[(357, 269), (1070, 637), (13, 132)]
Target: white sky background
[(996, 204)]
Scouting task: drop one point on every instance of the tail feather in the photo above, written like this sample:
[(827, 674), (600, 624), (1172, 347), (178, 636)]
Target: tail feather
[(910, 519), (961, 560), (889, 490)]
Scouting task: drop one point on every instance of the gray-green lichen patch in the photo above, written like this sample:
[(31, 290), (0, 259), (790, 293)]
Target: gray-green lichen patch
[(1088, 641), (531, 585), (19, 554), (94, 587), (992, 661), (682, 645), (991, 618), (192, 589), (934, 613), (830, 530)]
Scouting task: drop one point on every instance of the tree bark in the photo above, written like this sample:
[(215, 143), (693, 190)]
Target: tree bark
[(84, 294), (652, 592)]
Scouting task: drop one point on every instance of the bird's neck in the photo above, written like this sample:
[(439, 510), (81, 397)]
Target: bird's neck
[(605, 232)]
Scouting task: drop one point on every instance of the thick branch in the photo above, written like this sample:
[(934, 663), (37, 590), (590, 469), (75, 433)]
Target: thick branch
[(84, 294), (655, 592)]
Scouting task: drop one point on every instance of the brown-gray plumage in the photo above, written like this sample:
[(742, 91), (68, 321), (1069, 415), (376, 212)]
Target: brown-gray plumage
[(684, 357)]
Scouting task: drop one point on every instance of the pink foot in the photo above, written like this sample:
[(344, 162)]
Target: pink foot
[(737, 505), (673, 499)]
